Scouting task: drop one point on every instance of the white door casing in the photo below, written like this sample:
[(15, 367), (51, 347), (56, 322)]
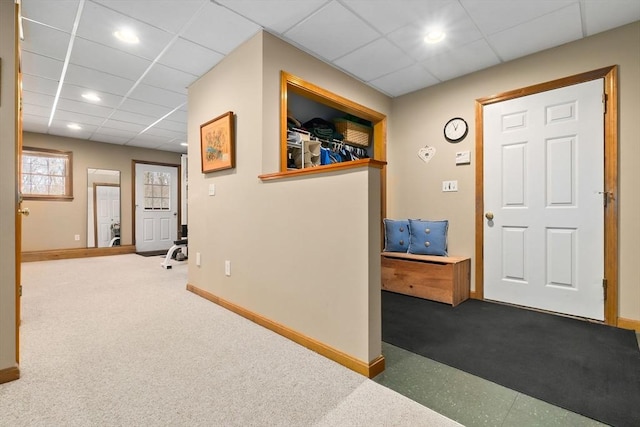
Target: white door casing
[(156, 206), (543, 183)]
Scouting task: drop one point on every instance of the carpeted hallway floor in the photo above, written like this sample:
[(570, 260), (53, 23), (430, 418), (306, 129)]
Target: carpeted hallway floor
[(118, 341)]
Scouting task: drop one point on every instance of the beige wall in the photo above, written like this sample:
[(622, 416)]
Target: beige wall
[(7, 187), (300, 248), (54, 224), (417, 120)]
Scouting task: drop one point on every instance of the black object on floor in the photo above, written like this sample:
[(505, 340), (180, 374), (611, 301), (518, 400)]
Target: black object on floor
[(584, 367), (152, 253)]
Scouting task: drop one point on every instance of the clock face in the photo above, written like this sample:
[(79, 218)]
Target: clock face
[(456, 129)]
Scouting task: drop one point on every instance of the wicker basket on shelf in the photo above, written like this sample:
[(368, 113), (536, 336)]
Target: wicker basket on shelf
[(354, 133)]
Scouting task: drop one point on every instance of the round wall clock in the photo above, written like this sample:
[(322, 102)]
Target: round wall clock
[(456, 129)]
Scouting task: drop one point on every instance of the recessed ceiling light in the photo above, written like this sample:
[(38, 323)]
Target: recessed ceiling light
[(434, 36), (126, 35), (184, 144), (90, 96), (74, 126)]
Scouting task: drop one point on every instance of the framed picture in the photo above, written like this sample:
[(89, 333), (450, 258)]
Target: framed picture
[(217, 141)]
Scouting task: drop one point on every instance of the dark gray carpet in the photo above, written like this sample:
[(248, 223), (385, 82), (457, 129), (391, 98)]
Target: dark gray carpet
[(588, 368)]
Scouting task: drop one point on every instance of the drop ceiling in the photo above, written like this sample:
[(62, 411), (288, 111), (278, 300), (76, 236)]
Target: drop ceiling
[(68, 49)]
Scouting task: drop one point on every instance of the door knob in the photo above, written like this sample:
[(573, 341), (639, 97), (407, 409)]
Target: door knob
[(24, 211), (489, 215)]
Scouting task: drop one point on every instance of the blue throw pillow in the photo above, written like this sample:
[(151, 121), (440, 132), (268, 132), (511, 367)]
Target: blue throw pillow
[(396, 235), (428, 237)]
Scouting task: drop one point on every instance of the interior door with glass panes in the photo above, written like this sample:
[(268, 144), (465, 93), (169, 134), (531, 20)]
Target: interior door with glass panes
[(156, 207)]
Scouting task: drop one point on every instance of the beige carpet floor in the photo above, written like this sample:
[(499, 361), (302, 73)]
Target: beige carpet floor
[(118, 341)]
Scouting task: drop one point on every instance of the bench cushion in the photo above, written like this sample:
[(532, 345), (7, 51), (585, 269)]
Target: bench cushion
[(396, 235), (428, 237)]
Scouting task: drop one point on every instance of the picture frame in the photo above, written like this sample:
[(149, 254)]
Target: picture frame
[(217, 143)]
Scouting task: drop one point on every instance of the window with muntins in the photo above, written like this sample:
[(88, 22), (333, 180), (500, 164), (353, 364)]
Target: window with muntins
[(157, 191), (46, 174)]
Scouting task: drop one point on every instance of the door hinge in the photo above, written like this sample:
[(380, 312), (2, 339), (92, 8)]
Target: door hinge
[(20, 291), (604, 102), (604, 288)]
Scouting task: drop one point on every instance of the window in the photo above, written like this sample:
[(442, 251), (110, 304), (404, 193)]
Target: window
[(46, 174), (157, 191)]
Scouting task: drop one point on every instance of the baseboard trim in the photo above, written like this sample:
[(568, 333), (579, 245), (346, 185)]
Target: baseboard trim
[(54, 254), (629, 324), (369, 370), (9, 374)]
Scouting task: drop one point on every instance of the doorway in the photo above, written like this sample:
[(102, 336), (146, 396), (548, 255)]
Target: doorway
[(512, 255), (156, 205)]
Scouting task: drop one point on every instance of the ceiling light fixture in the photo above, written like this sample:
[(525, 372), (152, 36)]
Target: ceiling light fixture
[(184, 144), (90, 96), (434, 36), (74, 126), (126, 35)]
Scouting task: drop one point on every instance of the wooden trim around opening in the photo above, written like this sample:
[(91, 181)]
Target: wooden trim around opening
[(323, 169), (54, 254), (629, 324), (610, 76), (9, 374), (369, 370)]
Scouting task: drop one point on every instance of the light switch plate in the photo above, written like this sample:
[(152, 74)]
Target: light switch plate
[(463, 157), (449, 186), (212, 189)]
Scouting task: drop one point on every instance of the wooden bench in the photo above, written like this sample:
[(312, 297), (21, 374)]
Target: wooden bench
[(437, 278)]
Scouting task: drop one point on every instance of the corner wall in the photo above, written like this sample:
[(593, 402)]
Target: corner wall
[(299, 247), (418, 119), (7, 189)]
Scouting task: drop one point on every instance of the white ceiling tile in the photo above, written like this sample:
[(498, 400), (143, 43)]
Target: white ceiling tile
[(45, 40), (341, 32), (108, 60), (144, 108), (125, 126), (374, 60), (41, 66), (73, 92), (102, 82), (219, 29), (601, 15), (190, 57), (173, 147), (39, 84), (37, 124), (39, 99), (168, 78), (404, 81), (171, 125), (116, 132), (539, 34), (152, 144), (84, 107), (169, 134), (125, 116), (111, 139), (389, 16), (278, 15), (75, 117), (169, 15), (59, 14), (99, 23), (492, 16), (36, 110), (158, 96), (462, 60), (179, 116), (59, 127)]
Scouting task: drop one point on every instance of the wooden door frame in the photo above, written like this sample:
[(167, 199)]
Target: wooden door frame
[(133, 194), (610, 76)]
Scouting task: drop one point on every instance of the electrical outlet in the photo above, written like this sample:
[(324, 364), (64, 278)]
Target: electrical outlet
[(227, 268), (77, 237), (448, 186)]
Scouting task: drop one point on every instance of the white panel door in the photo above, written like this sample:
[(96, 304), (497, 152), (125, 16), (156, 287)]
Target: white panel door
[(543, 178), (107, 212), (156, 207)]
